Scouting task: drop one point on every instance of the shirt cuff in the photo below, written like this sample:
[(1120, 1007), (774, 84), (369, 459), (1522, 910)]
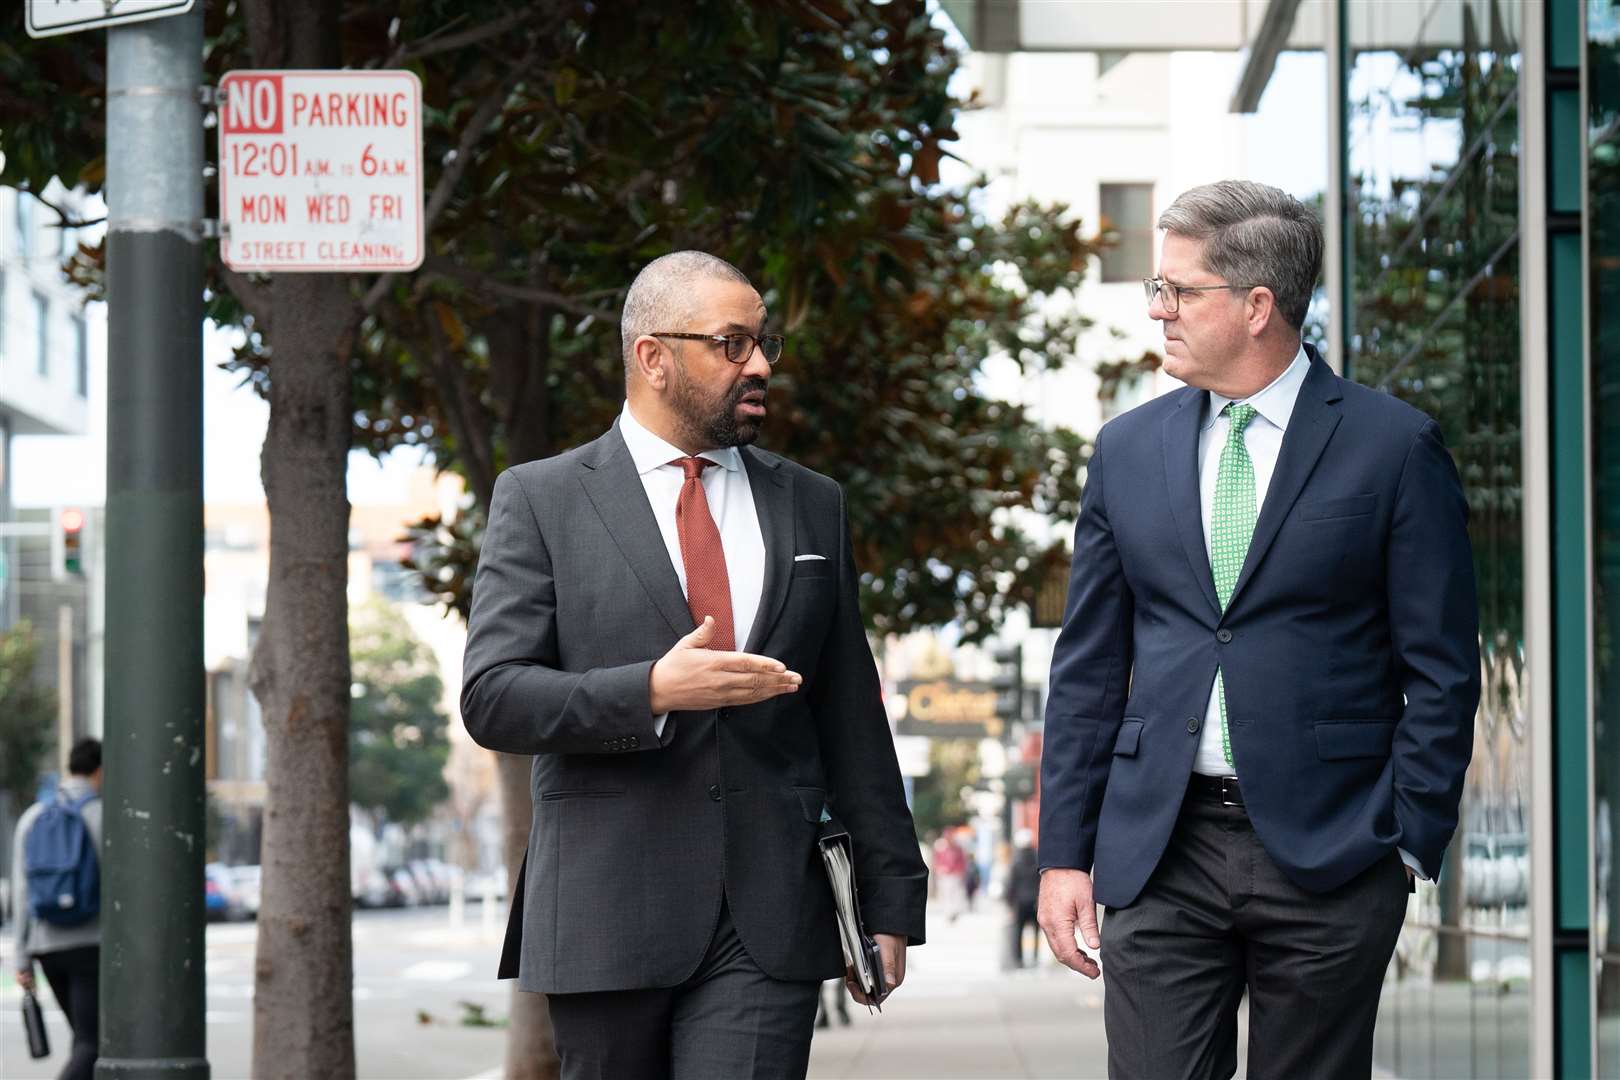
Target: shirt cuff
[(1411, 860), (658, 725)]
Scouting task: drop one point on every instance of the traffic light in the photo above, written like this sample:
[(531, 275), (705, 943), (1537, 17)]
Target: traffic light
[(1008, 683), (72, 522)]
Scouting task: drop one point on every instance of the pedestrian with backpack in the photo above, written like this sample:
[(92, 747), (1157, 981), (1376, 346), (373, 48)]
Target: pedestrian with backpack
[(57, 876)]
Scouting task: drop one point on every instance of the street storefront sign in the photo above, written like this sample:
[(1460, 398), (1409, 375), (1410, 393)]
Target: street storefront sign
[(48, 18), (948, 709), (320, 171)]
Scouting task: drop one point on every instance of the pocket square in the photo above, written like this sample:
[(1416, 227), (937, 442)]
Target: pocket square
[(809, 558)]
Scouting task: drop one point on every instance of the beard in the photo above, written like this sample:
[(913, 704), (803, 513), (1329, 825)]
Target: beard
[(712, 420)]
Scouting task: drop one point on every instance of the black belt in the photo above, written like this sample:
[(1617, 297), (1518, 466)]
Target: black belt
[(1221, 789)]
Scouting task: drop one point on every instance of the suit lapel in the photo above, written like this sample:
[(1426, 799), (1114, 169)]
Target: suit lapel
[(773, 501), (615, 490), (1181, 469), (1309, 428)]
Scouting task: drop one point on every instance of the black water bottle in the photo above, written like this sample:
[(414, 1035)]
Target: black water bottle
[(39, 1044)]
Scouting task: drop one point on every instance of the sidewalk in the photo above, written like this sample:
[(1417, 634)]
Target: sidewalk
[(959, 1015)]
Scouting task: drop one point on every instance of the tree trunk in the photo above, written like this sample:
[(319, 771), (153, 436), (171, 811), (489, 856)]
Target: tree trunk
[(303, 1005), (531, 1049)]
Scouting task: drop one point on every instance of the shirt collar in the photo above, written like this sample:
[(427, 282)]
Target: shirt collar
[(650, 452), (1276, 401)]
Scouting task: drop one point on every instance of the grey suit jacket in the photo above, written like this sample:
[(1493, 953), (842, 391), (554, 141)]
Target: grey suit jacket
[(635, 839)]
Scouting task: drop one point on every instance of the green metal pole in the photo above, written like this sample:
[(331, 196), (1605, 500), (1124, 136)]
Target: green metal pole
[(152, 993)]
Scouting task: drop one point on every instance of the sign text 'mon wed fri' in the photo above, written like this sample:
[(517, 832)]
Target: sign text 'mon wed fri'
[(320, 171)]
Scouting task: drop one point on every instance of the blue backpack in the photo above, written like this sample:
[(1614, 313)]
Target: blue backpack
[(64, 876)]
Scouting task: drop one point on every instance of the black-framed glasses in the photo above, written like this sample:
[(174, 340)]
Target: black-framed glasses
[(739, 347), (1171, 294)]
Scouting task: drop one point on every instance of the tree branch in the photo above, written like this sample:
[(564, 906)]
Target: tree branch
[(448, 269), (439, 41), (66, 220), (475, 441), (252, 295)]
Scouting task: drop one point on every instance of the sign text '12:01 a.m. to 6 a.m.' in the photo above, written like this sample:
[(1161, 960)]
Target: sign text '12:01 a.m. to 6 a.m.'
[(320, 170)]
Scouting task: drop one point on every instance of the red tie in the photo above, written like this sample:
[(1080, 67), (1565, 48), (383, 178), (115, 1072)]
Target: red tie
[(708, 588)]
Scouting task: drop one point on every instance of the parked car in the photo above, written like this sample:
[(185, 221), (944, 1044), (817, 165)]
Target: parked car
[(246, 879), (454, 877), (402, 888), (436, 874), (372, 889), (221, 900)]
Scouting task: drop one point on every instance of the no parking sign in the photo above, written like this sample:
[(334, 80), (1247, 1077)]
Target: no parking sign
[(320, 171)]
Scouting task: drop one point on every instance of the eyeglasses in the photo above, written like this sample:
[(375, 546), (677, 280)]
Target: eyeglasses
[(1171, 294), (739, 347)]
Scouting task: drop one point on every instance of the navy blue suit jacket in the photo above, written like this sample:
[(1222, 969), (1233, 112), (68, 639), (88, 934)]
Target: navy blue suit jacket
[(1350, 645)]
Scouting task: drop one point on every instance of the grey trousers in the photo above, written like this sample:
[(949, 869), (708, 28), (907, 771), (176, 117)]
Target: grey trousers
[(1218, 918), (729, 1021)]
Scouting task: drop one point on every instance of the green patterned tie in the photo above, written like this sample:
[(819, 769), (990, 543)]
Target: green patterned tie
[(1231, 527)]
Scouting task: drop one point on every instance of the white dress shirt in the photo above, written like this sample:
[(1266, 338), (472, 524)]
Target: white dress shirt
[(1263, 439), (731, 503)]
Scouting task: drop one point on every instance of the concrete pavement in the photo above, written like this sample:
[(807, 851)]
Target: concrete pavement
[(960, 1015)]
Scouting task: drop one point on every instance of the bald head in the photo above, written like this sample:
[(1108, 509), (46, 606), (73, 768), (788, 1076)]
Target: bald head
[(661, 297)]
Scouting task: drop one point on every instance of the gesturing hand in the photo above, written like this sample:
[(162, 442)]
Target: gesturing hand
[(1065, 907), (692, 676)]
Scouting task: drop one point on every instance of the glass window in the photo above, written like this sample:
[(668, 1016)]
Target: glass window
[(1127, 211), (42, 331), (1432, 227), (1603, 180)]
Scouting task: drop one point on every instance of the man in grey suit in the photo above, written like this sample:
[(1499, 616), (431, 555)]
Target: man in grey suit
[(667, 619)]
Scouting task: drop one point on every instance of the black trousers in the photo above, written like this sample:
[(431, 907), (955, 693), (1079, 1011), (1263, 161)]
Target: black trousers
[(75, 978), (729, 1021), (1218, 918), (1024, 917)]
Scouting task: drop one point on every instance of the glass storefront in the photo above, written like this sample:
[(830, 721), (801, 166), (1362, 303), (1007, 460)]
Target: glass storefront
[(1603, 180), (1432, 141)]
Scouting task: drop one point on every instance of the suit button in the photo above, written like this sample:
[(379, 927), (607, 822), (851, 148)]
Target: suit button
[(714, 792), (635, 741), (1223, 635), (1192, 725)]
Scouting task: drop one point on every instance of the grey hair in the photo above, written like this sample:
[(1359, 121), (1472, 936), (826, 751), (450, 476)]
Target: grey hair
[(659, 299), (1253, 235)]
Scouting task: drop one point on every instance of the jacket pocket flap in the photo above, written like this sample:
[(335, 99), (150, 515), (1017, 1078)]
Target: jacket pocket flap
[(1337, 739), (1351, 506), (1130, 734), (812, 800)]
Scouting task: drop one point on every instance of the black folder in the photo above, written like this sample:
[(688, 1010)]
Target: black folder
[(861, 955)]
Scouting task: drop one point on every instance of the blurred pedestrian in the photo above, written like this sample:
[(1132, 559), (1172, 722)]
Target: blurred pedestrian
[(1263, 695), (832, 989), (1023, 892), (55, 878), (669, 620), (950, 876)]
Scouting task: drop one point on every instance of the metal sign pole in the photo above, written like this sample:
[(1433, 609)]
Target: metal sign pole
[(152, 991)]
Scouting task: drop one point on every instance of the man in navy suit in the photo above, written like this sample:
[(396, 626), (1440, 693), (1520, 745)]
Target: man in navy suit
[(1263, 694)]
